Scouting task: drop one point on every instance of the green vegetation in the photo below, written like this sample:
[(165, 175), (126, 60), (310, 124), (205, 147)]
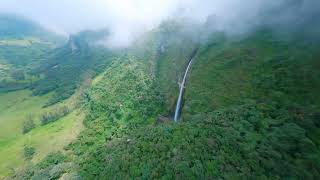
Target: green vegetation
[(251, 108), (28, 152), (28, 124), (13, 26), (209, 146), (52, 166), (23, 47), (15, 107), (251, 111), (272, 84), (173, 54), (66, 67), (54, 115), (123, 99), (17, 63)]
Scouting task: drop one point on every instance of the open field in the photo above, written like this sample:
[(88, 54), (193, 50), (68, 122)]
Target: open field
[(14, 108)]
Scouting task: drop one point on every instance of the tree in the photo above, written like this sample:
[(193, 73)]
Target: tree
[(28, 152), (28, 124), (54, 115)]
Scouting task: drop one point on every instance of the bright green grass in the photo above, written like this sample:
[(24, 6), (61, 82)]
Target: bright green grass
[(14, 107)]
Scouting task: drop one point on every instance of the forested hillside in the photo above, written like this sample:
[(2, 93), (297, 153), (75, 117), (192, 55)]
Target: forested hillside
[(67, 66), (24, 45), (251, 110)]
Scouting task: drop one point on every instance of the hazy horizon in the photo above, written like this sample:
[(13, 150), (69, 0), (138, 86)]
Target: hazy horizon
[(127, 18)]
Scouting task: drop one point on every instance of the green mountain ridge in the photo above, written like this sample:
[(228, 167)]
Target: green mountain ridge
[(17, 27), (24, 45), (68, 66)]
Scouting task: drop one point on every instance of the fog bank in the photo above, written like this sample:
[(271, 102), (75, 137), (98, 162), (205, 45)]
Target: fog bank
[(126, 19)]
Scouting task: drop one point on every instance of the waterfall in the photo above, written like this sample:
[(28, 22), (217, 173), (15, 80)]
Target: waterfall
[(182, 86)]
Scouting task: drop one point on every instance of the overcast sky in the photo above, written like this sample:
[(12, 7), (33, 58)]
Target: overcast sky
[(74, 15), (125, 17)]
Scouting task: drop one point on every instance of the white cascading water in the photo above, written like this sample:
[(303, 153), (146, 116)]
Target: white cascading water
[(178, 106)]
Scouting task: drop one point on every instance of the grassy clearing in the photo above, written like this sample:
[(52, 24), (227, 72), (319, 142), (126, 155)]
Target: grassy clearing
[(14, 107)]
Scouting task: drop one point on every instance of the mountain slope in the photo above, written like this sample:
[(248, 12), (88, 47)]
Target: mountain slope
[(24, 45), (69, 65), (251, 111), (17, 27), (251, 108), (265, 88)]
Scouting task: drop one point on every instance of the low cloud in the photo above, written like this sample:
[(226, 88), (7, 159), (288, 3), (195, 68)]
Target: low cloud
[(126, 19)]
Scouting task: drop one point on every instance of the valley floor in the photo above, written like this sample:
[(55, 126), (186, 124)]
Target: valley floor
[(14, 108)]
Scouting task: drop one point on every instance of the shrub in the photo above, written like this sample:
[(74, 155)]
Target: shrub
[(51, 159), (51, 167), (58, 113), (59, 169), (28, 124), (28, 152)]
